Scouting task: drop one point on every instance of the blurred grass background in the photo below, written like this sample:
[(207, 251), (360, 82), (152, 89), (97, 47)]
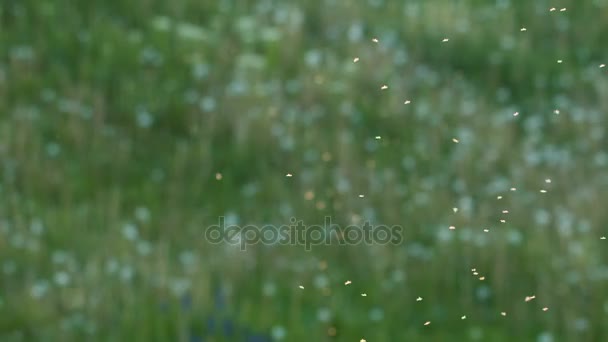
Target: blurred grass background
[(128, 127)]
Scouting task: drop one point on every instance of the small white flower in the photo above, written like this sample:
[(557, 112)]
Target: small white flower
[(61, 278), (129, 231), (278, 332)]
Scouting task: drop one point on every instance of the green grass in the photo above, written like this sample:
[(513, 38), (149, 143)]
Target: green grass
[(117, 115)]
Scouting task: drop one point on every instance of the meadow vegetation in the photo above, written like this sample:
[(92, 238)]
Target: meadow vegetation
[(128, 127)]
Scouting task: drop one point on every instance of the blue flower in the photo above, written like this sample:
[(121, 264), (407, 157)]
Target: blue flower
[(219, 299), (195, 338), (258, 338), (228, 327), (186, 302), (211, 325)]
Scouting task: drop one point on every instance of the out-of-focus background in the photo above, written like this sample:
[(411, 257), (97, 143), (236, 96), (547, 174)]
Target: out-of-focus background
[(129, 127)]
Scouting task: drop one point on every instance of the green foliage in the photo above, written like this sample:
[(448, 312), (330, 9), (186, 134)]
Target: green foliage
[(128, 127)]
